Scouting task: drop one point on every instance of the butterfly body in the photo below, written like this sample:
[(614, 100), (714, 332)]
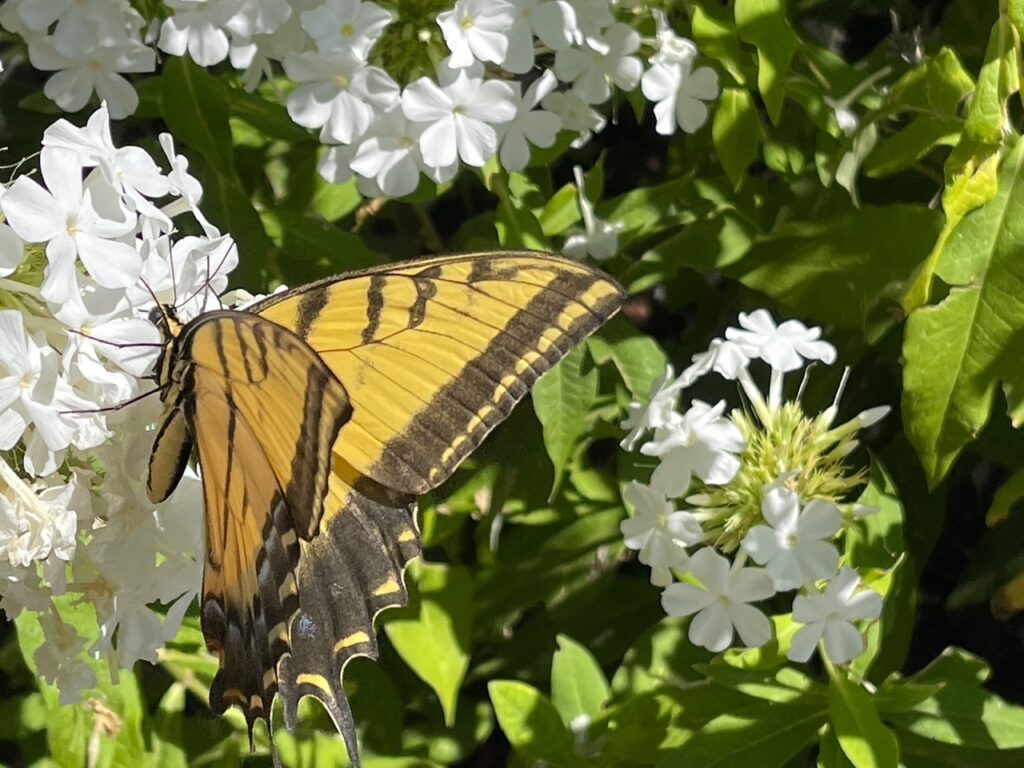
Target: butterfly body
[(317, 416)]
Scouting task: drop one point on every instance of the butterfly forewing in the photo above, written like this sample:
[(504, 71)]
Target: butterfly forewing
[(435, 353)]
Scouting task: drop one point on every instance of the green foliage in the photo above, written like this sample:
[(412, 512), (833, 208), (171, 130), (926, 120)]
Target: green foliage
[(878, 195)]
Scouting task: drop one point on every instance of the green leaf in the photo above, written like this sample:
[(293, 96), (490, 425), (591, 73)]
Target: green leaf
[(957, 352), (876, 541), (844, 271), (962, 713), (195, 109), (232, 211), (1009, 495), (638, 357), (432, 635), (736, 133), (714, 32), (561, 212), (516, 225), (900, 151), (987, 119), (168, 733), (935, 87), (662, 654), (562, 399), (531, 723), (785, 686), (314, 247), (268, 117), (861, 734), (578, 686), (899, 695), (762, 734), (763, 23)]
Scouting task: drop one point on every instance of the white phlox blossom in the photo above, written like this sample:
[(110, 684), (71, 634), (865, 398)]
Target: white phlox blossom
[(671, 48), (599, 238), (462, 116), (722, 603), (656, 412), (477, 30), (339, 93), (680, 92), (346, 24), (552, 21), (658, 532), (795, 546), (198, 27), (529, 126), (828, 616), (700, 443), (592, 72), (765, 485), (74, 341)]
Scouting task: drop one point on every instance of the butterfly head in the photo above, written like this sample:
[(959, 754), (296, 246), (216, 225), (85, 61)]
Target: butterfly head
[(165, 317)]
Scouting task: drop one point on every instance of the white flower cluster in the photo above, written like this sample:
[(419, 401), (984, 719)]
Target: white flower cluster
[(767, 487), (83, 257), (471, 109)]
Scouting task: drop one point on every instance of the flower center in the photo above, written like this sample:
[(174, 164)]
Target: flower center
[(723, 600), (341, 81), (27, 380), (467, 23), (792, 541), (346, 30)]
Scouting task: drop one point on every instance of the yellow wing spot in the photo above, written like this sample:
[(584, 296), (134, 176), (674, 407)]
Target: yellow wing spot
[(389, 587), (289, 537), (269, 677), (287, 588), (356, 638), (255, 702), (317, 681), (278, 632), (502, 389), (526, 361), (406, 535), (234, 693)]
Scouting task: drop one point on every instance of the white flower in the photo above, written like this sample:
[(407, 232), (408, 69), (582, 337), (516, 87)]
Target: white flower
[(593, 71), (476, 30), (828, 616), (185, 185), (81, 24), (259, 17), (95, 71), (575, 114), (351, 24), (32, 391), (680, 92), (592, 17), (198, 26), (462, 116), (338, 93), (552, 21), (656, 412), (659, 532), (672, 49), (12, 250), (783, 347), (335, 164), (794, 545), (725, 357), (129, 169), (701, 443), (391, 154), (529, 126), (722, 604), (599, 238), (67, 220), (58, 660)]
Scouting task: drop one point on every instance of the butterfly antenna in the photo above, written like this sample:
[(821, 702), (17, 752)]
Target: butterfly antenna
[(209, 276), (156, 302), (174, 280), (118, 344), (118, 407)]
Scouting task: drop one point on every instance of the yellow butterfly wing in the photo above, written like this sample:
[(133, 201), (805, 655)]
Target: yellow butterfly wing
[(318, 418), (435, 353)]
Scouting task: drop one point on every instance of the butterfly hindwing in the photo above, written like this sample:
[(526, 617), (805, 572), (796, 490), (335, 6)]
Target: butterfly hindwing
[(435, 353)]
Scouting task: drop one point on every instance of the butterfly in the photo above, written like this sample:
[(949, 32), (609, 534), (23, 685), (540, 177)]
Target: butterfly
[(317, 416)]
